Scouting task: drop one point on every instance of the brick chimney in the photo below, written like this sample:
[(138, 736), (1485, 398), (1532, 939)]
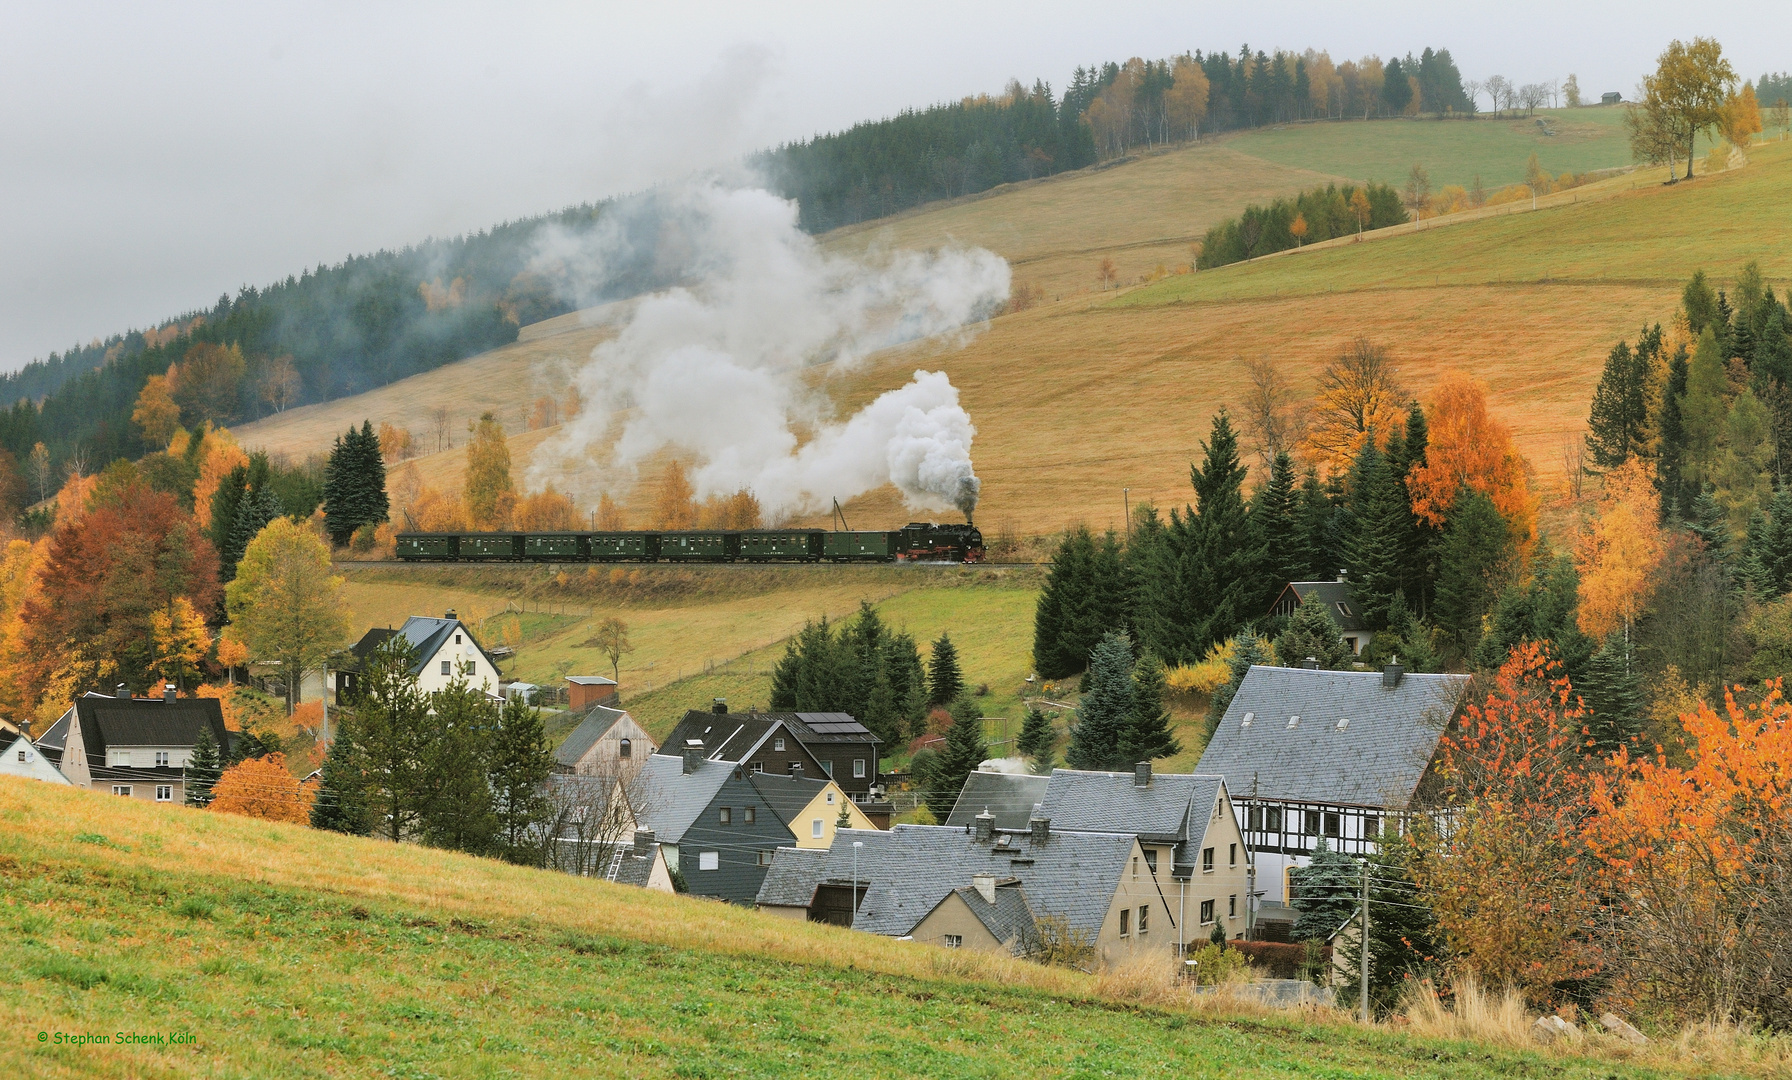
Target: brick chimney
[(985, 884), (167, 691), (644, 841), (449, 614), (1392, 674), (1041, 828), (719, 706), (1311, 663), (124, 692), (985, 826), (796, 769), (693, 755), (1141, 774)]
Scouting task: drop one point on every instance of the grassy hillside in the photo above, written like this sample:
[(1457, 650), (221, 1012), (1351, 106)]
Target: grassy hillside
[(284, 952), (1453, 152), (1094, 393)]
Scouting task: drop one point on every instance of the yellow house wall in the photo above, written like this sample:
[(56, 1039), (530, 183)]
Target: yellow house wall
[(954, 916), (829, 813), (1228, 879), (1136, 891)]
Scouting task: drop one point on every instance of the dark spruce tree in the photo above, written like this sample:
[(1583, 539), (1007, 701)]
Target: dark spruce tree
[(1219, 557), (1064, 606), (459, 811), (1326, 892), (1677, 493), (1542, 609), (1404, 942), (945, 682), (341, 804), (1618, 422), (1472, 557), (962, 752), (1769, 562), (1320, 554), (1105, 712), (1612, 691), (204, 766), (1146, 736), (1710, 522), (1274, 515), (1419, 548), (518, 764), (1312, 634), (1380, 520), (1037, 740)]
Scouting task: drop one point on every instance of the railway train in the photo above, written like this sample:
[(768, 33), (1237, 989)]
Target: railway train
[(916, 541)]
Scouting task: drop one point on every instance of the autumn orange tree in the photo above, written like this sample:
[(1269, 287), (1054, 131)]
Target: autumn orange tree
[(1471, 449), (1699, 858), (263, 788), (1505, 868), (105, 577), (1619, 551), (1359, 397), (676, 507)]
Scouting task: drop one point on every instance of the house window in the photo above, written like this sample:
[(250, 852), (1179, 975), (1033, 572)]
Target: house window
[(445, 667), (830, 798), (21, 756), (778, 743), (1151, 859), (1344, 609), (750, 814), (1231, 854), (954, 941), (709, 860), (765, 858), (1311, 824), (1135, 870), (161, 759), (164, 792), (759, 766), (1371, 826), (457, 639), (1331, 825), (1144, 916), (1232, 907), (727, 815), (1272, 819), (1207, 860), (1125, 921), (815, 829), (827, 767), (1253, 819), (121, 789), (1206, 912), (624, 749), (858, 768)]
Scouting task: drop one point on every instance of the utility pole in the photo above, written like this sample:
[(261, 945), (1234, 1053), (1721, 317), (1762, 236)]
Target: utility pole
[(856, 845), (1126, 500), (1363, 963)]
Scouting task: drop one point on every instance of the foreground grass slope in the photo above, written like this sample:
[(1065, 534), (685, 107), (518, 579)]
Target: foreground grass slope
[(285, 952)]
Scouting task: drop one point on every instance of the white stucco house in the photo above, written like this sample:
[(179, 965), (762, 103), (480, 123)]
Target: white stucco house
[(23, 759), (441, 650)]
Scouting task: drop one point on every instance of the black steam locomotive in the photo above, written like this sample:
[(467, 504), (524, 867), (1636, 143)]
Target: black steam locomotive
[(916, 541)]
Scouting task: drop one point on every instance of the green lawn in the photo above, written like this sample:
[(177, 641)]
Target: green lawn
[(284, 952), (1452, 151), (1650, 235)]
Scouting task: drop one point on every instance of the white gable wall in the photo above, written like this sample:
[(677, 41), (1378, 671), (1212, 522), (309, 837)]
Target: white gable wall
[(458, 656), (23, 759)]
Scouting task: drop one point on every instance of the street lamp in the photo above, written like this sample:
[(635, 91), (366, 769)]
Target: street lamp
[(856, 845)]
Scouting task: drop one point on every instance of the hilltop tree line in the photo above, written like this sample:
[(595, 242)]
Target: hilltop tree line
[(1320, 214)]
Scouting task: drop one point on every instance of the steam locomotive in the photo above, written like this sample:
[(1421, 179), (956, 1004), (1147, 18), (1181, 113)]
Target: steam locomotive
[(916, 541)]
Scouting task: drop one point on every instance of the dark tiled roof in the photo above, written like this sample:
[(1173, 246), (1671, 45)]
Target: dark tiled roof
[(788, 796), (911, 868), (371, 641), (1113, 802), (619, 863), (725, 736), (828, 727), (1377, 759), (1009, 919), (1336, 597), (793, 876), (598, 721), (672, 800), (1009, 796), (108, 722)]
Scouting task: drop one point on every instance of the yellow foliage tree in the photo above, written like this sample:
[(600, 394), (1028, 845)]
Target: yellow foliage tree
[(217, 457), (435, 512), (1619, 551), (489, 495), (610, 516), (180, 641), (1185, 102), (546, 511), (1741, 120), (18, 577), (207, 383), (156, 414), (737, 511), (263, 788), (232, 654), (285, 604), (396, 443), (1359, 397), (676, 507)]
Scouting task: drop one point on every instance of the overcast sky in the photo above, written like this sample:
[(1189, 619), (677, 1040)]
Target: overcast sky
[(155, 155)]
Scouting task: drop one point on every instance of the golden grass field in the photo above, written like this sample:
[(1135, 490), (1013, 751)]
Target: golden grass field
[(288, 952), (1082, 397)]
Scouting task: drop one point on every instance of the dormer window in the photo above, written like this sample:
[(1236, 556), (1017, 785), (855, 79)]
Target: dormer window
[(1248, 717), (1344, 609), (1343, 723)]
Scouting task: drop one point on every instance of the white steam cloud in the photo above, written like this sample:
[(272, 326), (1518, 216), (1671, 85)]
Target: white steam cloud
[(714, 365)]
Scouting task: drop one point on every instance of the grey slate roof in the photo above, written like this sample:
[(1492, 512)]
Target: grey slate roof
[(1010, 918), (1112, 802), (787, 795), (1010, 797), (1377, 759), (598, 721), (671, 800), (793, 876), (423, 635), (911, 868)]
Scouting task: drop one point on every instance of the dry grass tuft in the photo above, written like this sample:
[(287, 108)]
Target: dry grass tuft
[(1480, 1013)]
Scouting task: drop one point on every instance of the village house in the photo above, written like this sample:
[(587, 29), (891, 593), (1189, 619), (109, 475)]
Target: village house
[(719, 822), (981, 887), (1339, 755), (132, 746), (1011, 797), (1335, 595), (843, 749), (758, 742), (442, 650), (607, 742), (22, 758)]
